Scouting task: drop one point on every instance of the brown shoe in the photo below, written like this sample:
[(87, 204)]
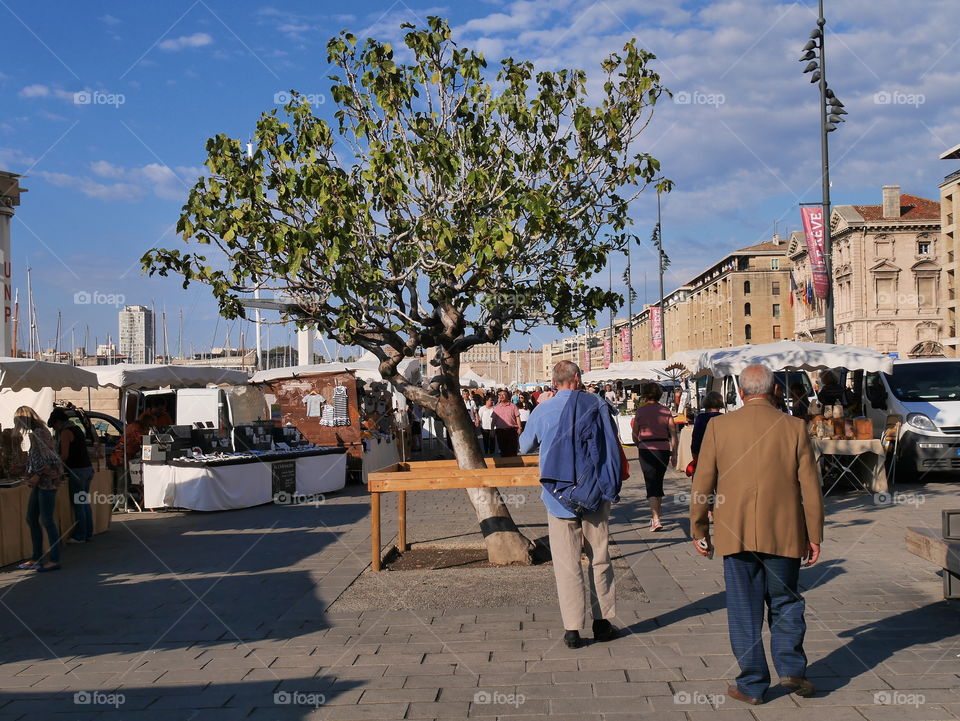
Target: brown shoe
[(797, 685), (734, 692)]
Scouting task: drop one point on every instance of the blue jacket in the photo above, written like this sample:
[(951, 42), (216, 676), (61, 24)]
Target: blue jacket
[(583, 468)]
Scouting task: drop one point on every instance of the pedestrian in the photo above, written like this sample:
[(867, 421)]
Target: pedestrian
[(757, 467), (579, 447), (44, 474), (524, 409), (712, 406), (506, 425), (485, 424), (73, 452), (655, 436), (471, 406), (799, 401)]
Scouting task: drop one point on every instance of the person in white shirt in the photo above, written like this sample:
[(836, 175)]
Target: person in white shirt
[(485, 423)]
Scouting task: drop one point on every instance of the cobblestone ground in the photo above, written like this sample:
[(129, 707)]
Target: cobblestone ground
[(224, 616)]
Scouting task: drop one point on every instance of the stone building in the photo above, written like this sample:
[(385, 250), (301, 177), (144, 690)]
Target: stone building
[(743, 298), (886, 277), (949, 213)]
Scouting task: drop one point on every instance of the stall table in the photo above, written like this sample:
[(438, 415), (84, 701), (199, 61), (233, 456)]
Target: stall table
[(862, 461), (242, 483)]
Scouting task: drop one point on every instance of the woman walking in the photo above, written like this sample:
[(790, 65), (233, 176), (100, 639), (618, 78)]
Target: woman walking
[(655, 435), (44, 473), (73, 453)]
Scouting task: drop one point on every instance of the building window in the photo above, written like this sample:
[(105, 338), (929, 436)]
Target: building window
[(748, 332), (926, 291), (776, 310), (774, 264), (923, 247), (776, 332), (775, 288), (746, 287), (886, 287), (746, 309)]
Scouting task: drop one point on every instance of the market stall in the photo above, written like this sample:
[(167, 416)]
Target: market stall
[(844, 443), (27, 382), (345, 405)]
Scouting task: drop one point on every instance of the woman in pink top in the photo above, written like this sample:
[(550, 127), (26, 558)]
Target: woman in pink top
[(656, 438), (506, 424)]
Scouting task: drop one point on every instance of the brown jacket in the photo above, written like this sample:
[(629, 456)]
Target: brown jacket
[(758, 465)]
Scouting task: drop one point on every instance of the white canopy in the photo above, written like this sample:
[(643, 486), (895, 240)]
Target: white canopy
[(365, 368), (25, 373), (628, 371), (791, 355), (132, 375), (472, 379)]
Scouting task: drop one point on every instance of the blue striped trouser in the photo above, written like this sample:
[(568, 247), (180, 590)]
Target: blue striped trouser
[(755, 580)]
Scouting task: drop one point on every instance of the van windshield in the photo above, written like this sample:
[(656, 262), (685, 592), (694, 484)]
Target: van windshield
[(926, 381)]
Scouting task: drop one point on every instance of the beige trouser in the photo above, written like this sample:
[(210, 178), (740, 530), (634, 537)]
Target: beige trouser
[(567, 537)]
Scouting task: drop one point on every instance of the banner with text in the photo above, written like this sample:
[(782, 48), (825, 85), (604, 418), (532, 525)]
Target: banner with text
[(656, 329), (586, 366), (813, 228), (607, 352), (626, 350)]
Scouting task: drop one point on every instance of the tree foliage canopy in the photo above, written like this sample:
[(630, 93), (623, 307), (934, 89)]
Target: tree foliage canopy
[(442, 208)]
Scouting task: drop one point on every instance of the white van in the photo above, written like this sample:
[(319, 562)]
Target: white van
[(729, 387), (925, 393)]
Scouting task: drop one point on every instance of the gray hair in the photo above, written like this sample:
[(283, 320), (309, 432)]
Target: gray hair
[(565, 372), (756, 380)]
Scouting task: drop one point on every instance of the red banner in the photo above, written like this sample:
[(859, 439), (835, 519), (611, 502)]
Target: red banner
[(813, 221), (607, 352), (656, 329), (625, 350), (587, 364)]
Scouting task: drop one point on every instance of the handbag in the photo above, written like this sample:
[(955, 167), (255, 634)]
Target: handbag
[(624, 465), (691, 468)]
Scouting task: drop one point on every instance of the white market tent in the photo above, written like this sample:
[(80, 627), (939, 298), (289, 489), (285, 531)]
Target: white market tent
[(629, 371), (149, 376), (472, 379), (18, 374), (366, 368), (791, 355)]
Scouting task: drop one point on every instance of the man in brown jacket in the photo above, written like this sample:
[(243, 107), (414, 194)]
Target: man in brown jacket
[(757, 469)]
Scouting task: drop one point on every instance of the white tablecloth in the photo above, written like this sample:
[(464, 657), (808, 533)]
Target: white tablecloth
[(378, 455), (626, 432), (242, 485)]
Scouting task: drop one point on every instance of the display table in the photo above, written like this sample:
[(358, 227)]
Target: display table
[(625, 429), (15, 544), (240, 484), (684, 452), (378, 454), (864, 464)]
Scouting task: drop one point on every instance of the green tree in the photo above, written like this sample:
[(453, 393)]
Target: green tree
[(442, 209)]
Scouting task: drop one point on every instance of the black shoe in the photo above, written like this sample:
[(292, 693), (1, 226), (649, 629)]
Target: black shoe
[(572, 639), (603, 630)]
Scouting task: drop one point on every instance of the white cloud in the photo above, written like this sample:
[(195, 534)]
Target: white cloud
[(35, 91), (109, 19), (115, 182), (197, 40)]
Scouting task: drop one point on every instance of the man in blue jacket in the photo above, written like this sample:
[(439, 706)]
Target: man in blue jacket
[(569, 451)]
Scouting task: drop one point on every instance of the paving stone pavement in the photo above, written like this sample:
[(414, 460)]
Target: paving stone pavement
[(224, 616)]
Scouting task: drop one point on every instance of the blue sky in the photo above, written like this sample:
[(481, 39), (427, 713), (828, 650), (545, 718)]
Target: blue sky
[(108, 169)]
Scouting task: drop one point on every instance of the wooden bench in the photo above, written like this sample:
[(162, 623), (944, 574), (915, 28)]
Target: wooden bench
[(928, 544), (436, 475)]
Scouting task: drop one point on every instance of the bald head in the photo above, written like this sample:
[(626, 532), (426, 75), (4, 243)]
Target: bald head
[(566, 375), (756, 380)]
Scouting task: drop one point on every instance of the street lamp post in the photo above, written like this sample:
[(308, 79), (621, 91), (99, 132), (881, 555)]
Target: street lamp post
[(831, 112), (662, 262)]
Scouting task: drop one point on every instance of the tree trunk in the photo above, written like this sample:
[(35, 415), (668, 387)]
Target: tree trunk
[(505, 543)]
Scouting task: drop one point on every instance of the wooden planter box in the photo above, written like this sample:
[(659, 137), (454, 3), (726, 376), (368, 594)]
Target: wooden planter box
[(435, 475)]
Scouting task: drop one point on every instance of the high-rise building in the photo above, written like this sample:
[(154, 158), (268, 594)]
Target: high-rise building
[(949, 213), (136, 334)]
